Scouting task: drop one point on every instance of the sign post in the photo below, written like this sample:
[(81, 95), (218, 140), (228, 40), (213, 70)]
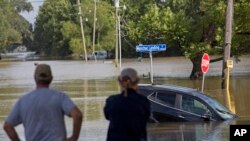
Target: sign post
[(150, 49), (229, 66), (151, 67), (204, 67)]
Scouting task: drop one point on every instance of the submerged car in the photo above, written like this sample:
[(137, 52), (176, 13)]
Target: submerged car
[(174, 103), (99, 55)]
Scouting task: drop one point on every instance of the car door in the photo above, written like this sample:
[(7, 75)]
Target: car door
[(193, 109), (163, 105)]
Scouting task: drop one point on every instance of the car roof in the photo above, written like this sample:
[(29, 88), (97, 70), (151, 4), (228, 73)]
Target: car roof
[(185, 90)]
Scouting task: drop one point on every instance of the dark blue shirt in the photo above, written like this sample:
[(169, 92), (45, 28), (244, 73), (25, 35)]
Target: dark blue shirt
[(128, 116)]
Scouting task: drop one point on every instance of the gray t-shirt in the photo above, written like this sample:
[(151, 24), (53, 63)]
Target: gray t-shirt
[(42, 114)]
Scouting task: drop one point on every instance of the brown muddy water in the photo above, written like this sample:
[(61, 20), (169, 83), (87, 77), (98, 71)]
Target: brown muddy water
[(89, 84)]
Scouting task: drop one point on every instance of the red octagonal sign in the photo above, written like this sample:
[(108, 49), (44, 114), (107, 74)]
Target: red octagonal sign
[(205, 63)]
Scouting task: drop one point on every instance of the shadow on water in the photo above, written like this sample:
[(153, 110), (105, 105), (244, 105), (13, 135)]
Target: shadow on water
[(90, 84)]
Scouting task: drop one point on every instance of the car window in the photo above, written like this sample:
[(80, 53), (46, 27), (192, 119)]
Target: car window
[(194, 106), (167, 97), (221, 110)]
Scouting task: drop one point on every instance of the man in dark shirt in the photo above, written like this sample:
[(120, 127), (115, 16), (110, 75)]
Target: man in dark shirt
[(127, 112)]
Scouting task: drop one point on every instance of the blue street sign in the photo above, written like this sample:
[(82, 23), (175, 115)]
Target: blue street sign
[(151, 48)]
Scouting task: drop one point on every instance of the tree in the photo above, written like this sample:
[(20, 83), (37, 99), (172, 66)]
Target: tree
[(48, 37), (192, 26), (241, 40), (21, 5), (105, 25), (189, 27), (57, 30), (13, 27), (205, 31), (132, 13)]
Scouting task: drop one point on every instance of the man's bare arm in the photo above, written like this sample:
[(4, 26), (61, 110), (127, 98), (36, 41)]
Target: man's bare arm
[(11, 132), (77, 116)]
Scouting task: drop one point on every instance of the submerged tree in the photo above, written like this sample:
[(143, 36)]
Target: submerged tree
[(194, 27)]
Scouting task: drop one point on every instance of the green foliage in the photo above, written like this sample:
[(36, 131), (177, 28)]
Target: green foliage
[(48, 36), (71, 32), (195, 49), (195, 26), (21, 5), (190, 25), (76, 46), (57, 30), (147, 27), (13, 27), (105, 25), (241, 38)]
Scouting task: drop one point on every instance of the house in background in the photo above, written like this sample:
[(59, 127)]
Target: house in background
[(16, 48), (17, 51), (20, 49)]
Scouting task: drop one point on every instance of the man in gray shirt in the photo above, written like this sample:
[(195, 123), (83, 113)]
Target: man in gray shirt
[(42, 112)]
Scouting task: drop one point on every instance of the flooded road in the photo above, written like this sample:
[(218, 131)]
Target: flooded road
[(89, 84)]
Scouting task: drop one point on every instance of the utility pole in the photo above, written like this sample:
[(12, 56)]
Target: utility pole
[(82, 31), (94, 30), (227, 43), (120, 43), (116, 34)]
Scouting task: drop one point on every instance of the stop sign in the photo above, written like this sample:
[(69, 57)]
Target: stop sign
[(205, 63)]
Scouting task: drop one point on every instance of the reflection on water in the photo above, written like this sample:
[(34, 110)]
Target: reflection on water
[(188, 131), (80, 82)]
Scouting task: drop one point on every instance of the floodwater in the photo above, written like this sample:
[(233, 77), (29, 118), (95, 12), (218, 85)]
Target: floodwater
[(89, 84)]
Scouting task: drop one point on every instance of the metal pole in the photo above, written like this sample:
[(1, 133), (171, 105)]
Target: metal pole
[(82, 31), (120, 43), (116, 34), (228, 73), (203, 81), (94, 23), (151, 67), (227, 43), (228, 101)]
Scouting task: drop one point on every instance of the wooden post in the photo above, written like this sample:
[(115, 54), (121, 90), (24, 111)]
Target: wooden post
[(227, 43), (116, 34), (94, 24), (82, 31)]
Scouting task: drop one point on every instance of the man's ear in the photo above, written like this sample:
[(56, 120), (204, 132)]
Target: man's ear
[(119, 79)]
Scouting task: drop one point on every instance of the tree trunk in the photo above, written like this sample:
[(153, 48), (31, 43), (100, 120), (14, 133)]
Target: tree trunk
[(208, 37), (196, 71)]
